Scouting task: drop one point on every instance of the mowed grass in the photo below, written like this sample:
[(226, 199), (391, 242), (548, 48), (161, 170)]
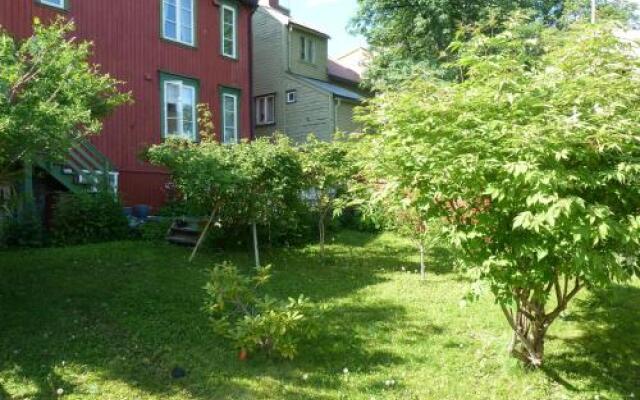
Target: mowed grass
[(111, 321)]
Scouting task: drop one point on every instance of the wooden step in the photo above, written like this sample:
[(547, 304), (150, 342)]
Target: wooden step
[(183, 240)]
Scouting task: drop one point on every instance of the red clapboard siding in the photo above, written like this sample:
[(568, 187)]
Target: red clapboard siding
[(128, 46)]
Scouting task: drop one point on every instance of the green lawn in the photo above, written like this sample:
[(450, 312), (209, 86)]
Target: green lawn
[(111, 321)]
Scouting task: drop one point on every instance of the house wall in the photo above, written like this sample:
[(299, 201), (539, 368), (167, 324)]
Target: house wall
[(128, 45), (312, 113), (317, 69), (344, 111), (269, 64)]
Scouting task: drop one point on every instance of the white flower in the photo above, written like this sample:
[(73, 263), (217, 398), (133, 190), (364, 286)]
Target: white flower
[(60, 391), (387, 383), (305, 377), (345, 371), (403, 269)]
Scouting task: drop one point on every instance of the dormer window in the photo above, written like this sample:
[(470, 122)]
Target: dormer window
[(307, 49)]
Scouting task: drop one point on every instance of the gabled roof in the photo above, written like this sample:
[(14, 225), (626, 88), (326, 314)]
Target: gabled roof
[(286, 20), (332, 88), (342, 72)]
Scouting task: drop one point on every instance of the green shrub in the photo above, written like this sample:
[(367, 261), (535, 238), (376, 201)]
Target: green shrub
[(256, 323), (88, 218), (23, 231)]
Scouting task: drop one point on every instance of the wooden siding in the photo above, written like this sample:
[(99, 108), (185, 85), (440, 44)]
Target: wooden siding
[(344, 113), (317, 69), (269, 64), (128, 45)]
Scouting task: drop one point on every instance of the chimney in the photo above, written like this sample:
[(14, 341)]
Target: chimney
[(274, 4)]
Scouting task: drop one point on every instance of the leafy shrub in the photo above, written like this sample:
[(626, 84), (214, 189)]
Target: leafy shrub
[(87, 218), (23, 231), (253, 322)]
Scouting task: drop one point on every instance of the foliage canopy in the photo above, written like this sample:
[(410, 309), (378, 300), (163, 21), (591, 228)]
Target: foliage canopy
[(50, 94), (532, 160)]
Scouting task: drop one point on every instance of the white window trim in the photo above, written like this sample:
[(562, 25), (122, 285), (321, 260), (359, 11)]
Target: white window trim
[(179, 23), (265, 106), (309, 49), (234, 34), (295, 96), (53, 3), (180, 111), (235, 118)]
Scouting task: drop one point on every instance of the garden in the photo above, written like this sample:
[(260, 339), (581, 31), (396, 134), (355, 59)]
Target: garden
[(113, 321), (479, 238)]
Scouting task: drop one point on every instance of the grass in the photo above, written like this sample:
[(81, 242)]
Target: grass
[(111, 321)]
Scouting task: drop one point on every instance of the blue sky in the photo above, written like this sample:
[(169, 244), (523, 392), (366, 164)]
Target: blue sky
[(332, 16)]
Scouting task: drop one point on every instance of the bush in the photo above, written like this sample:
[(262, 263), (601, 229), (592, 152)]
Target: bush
[(23, 231), (256, 323), (88, 218)]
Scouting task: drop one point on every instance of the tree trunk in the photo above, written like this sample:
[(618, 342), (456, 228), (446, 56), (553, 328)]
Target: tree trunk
[(256, 250), (322, 233), (422, 266), (530, 321), (203, 235), (527, 343)]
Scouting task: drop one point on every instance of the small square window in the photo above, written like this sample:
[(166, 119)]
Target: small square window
[(292, 96)]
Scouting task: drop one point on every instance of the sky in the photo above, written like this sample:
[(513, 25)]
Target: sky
[(330, 16)]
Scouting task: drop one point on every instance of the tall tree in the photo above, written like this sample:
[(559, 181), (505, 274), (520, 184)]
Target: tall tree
[(411, 37), (532, 162)]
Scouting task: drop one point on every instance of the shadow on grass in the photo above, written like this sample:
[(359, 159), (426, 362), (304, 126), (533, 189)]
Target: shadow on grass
[(130, 312), (607, 355)]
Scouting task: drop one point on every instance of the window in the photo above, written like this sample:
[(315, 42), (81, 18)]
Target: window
[(292, 96), (307, 49), (230, 111), (266, 109), (179, 107), (229, 31), (54, 3), (178, 21)]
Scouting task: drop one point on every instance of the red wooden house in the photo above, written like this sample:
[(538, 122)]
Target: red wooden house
[(172, 55)]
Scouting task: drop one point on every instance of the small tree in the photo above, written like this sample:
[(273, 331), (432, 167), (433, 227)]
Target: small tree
[(246, 183), (532, 161), (327, 169), (51, 96), (272, 181)]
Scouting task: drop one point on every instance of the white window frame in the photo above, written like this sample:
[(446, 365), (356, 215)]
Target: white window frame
[(291, 93), (181, 85), (179, 22), (308, 50), (262, 105), (54, 3), (234, 35), (236, 101)]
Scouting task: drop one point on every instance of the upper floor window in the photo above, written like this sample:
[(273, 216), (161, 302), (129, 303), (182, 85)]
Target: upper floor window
[(54, 3), (229, 31), (265, 109), (307, 49), (230, 99), (178, 21), (179, 107)]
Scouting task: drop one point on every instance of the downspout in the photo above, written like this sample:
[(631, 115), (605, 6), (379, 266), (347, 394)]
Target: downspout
[(252, 105)]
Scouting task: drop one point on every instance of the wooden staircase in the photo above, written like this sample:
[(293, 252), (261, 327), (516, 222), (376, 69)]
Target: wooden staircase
[(185, 231), (85, 169)]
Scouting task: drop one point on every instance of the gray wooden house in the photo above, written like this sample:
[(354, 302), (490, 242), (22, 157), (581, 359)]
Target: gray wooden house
[(294, 92)]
